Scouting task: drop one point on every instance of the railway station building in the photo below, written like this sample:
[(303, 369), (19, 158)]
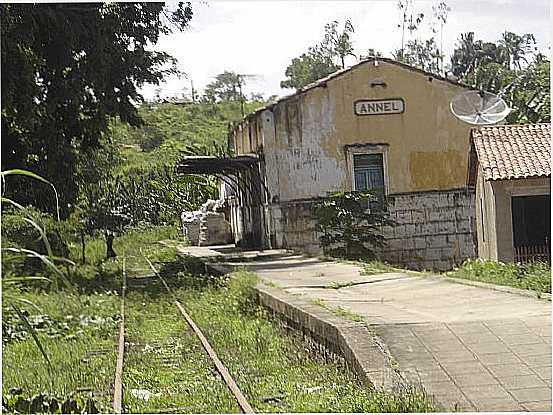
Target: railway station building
[(379, 125)]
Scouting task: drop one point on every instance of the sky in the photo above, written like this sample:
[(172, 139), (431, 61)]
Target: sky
[(260, 38)]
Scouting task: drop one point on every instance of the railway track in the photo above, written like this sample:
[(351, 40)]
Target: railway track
[(230, 383)]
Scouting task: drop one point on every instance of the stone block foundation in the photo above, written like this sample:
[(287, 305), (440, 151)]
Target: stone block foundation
[(433, 230)]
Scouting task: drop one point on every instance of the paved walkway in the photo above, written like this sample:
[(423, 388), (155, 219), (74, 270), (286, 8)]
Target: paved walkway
[(476, 348)]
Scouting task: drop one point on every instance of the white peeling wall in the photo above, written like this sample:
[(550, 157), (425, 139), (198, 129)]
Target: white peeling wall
[(298, 166)]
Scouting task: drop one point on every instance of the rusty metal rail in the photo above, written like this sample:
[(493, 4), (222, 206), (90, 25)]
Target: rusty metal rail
[(231, 384), (118, 384)]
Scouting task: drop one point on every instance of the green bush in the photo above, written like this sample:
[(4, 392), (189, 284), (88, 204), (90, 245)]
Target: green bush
[(19, 233), (534, 276), (349, 229)]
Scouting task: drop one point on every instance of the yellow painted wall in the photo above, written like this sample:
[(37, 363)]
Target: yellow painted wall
[(427, 147)]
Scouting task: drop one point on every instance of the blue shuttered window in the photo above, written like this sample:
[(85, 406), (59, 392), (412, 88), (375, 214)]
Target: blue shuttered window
[(368, 170)]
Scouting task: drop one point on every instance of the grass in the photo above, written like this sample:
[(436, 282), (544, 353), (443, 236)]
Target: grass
[(277, 372), (167, 361), (76, 332), (76, 329), (339, 311), (378, 267), (534, 276)]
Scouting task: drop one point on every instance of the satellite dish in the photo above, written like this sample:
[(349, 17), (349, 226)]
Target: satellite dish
[(479, 107)]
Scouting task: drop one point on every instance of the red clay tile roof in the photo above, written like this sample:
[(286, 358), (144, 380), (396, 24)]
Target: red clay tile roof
[(513, 151)]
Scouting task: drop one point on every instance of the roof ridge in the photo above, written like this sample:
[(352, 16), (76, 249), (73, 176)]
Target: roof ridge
[(322, 81)]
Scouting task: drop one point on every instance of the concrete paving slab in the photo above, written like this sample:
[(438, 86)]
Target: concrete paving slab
[(543, 372), (469, 346), (532, 394), (479, 393), (506, 370), (523, 350), (540, 406), (537, 360), (522, 382)]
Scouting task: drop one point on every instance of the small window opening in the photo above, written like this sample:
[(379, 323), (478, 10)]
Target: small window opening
[(368, 171)]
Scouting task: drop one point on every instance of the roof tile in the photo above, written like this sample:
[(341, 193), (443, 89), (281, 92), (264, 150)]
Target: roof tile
[(513, 151)]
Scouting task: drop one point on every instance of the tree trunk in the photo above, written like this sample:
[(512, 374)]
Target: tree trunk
[(83, 246), (110, 253)]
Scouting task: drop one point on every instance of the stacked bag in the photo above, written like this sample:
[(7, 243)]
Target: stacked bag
[(206, 226), (214, 229)]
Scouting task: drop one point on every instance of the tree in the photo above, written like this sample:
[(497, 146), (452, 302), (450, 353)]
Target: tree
[(338, 44), (510, 51), (515, 48), (440, 12), (410, 20), (322, 59), (529, 94), (226, 87), (371, 53), (505, 68), (308, 68), (421, 54), (66, 70)]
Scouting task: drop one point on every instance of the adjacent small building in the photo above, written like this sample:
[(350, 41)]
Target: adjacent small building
[(511, 171)]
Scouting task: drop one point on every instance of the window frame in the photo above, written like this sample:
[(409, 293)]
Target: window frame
[(368, 149)]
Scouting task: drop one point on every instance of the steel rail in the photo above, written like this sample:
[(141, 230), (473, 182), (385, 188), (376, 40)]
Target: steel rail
[(118, 383), (231, 384)]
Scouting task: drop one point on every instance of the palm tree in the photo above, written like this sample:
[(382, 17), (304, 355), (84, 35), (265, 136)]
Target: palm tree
[(515, 48), (465, 55)]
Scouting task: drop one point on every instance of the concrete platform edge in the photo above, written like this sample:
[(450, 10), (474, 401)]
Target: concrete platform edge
[(353, 341)]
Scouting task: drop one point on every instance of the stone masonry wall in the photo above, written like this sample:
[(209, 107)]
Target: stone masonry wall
[(434, 230)]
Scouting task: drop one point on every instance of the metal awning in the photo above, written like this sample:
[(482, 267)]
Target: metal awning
[(228, 170), (215, 165)]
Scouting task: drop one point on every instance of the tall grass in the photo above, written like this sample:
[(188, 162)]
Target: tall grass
[(535, 276)]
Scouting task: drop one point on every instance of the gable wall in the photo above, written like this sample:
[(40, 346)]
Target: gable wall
[(427, 146)]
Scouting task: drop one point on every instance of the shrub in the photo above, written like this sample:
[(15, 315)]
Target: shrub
[(20, 233), (350, 229)]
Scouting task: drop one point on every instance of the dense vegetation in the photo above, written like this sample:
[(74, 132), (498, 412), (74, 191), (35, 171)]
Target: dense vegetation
[(67, 69), (276, 371), (511, 66), (535, 276)]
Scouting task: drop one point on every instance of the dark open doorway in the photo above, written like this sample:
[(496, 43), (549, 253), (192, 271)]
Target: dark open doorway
[(531, 226)]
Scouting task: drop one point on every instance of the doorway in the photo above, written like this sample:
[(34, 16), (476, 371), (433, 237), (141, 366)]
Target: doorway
[(531, 227)]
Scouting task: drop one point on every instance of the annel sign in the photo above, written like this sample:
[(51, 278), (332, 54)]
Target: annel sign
[(379, 106)]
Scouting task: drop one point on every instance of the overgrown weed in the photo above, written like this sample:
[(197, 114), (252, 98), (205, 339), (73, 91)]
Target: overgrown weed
[(535, 276)]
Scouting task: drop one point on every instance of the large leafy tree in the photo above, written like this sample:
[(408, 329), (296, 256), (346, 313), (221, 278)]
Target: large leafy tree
[(227, 86), (322, 59), (66, 70), (307, 68)]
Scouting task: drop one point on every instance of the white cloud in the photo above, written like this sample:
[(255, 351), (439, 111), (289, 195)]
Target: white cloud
[(261, 38)]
